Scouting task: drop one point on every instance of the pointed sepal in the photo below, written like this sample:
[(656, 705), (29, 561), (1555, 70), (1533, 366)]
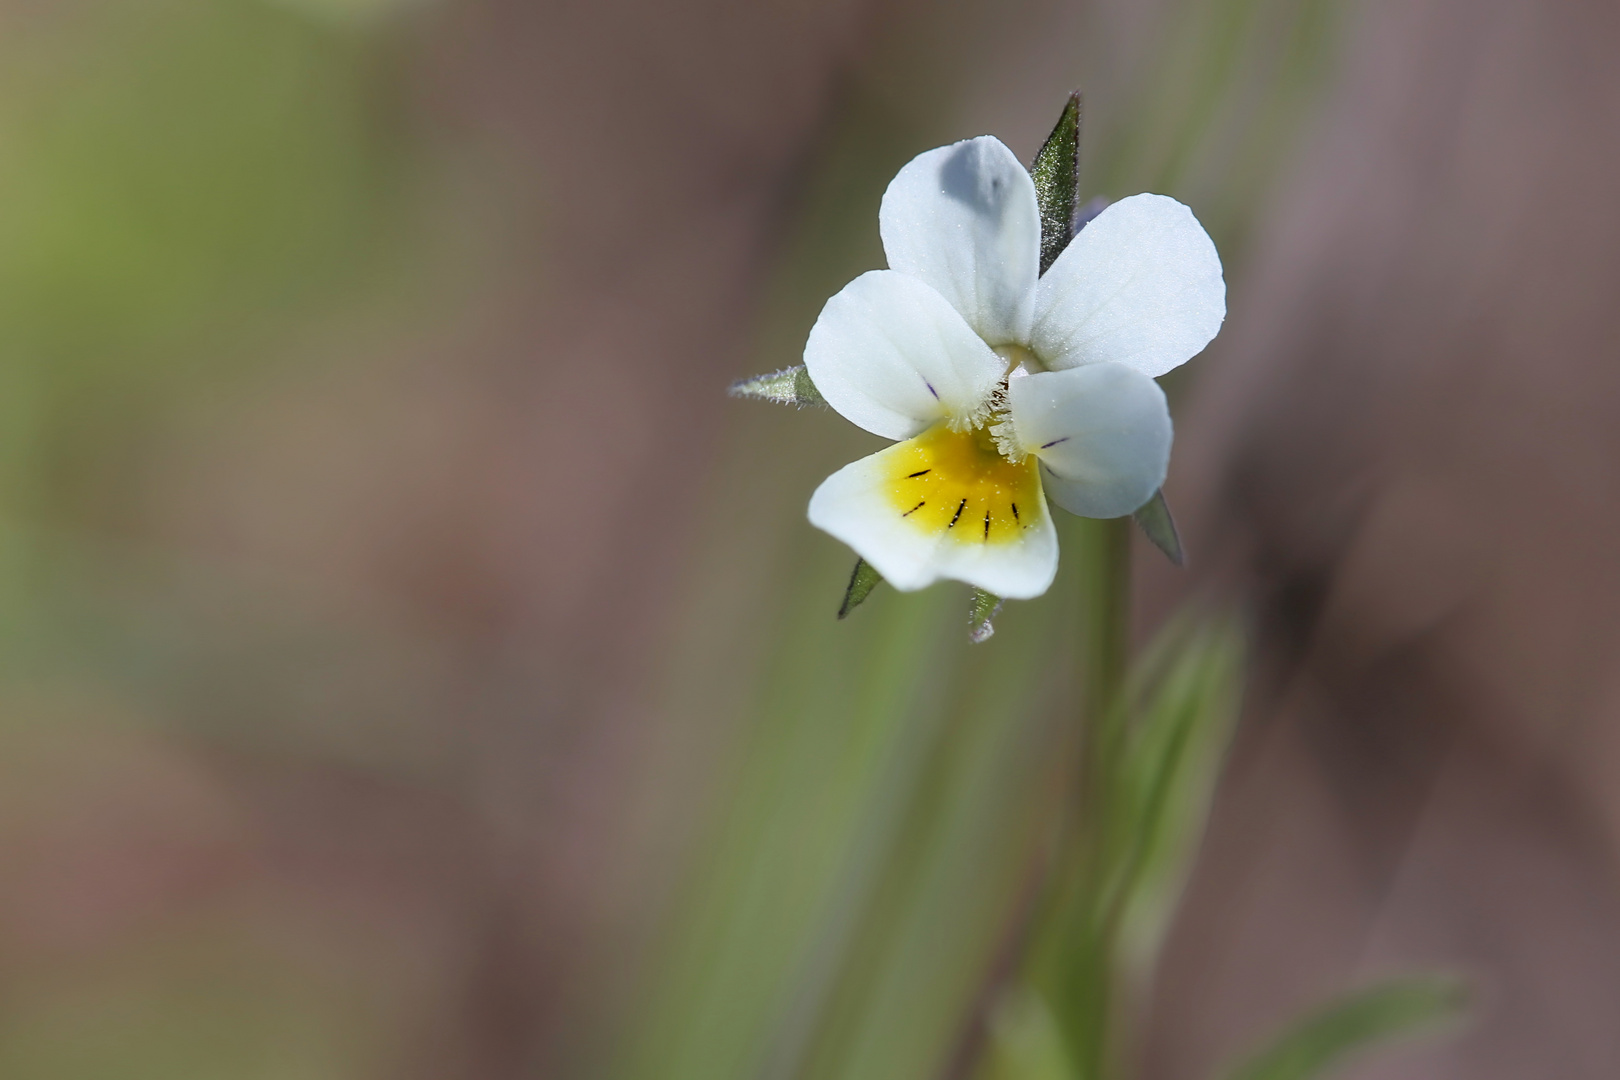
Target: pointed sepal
[(862, 580), (790, 386), (982, 612), (1155, 520), (1057, 182)]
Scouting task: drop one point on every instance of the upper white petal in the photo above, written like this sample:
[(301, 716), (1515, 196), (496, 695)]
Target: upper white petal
[(964, 219), (855, 505), (1141, 285), (1102, 433), (893, 357)]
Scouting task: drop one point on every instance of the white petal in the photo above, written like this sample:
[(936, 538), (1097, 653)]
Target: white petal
[(1102, 433), (893, 357), (1140, 285), (857, 505), (964, 219)]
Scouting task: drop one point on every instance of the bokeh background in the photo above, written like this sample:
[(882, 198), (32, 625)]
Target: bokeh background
[(412, 665)]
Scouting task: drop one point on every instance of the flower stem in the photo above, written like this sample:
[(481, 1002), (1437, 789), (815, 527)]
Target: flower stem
[(1105, 616), (1095, 978)]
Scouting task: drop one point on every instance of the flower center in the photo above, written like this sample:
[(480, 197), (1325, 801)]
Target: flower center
[(956, 483)]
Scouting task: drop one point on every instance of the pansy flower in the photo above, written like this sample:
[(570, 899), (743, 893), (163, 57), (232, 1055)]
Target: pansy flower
[(1004, 387), (1013, 358)]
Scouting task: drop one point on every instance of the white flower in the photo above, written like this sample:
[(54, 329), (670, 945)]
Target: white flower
[(1007, 387)]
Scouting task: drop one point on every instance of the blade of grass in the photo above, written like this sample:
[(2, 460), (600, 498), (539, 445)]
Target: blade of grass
[(1327, 1038)]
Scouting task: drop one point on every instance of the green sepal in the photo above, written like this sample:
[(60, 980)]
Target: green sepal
[(1324, 1039), (862, 580), (981, 614), (1154, 518), (1057, 182), (790, 386)]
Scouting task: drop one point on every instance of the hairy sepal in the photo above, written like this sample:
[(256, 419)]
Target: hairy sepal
[(790, 386), (982, 611)]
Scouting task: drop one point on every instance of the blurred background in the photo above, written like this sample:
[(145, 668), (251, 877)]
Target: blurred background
[(412, 665)]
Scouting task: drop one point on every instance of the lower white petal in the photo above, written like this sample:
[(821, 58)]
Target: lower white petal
[(1102, 433), (925, 509)]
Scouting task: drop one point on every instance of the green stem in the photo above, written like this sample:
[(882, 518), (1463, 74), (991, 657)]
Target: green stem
[(1105, 615), (1105, 633), (1074, 956)]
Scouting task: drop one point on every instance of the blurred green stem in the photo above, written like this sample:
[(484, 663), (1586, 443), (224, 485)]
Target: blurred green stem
[(1105, 632), (1105, 614)]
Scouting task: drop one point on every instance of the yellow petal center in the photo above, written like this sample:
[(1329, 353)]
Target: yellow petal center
[(956, 483)]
